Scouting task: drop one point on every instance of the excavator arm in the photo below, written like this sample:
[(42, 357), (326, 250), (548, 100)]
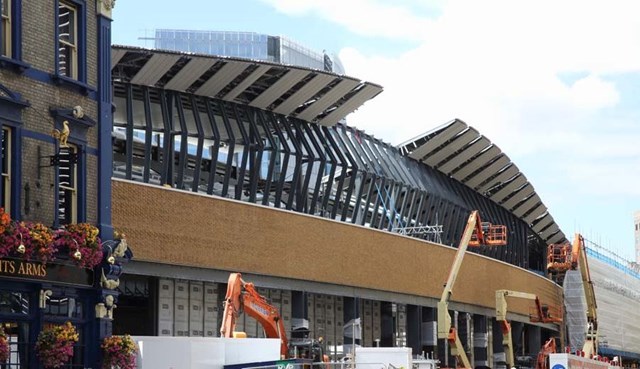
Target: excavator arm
[(475, 233), (242, 296)]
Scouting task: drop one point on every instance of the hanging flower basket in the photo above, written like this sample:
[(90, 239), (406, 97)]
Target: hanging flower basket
[(42, 247), (14, 237), (54, 346), (119, 352), (4, 347), (82, 243)]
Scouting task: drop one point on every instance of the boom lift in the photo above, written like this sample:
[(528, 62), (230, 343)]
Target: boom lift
[(241, 296), (570, 260), (539, 314), (475, 233)]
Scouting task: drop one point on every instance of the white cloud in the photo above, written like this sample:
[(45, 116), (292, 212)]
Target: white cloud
[(360, 16), (497, 64), (593, 93)]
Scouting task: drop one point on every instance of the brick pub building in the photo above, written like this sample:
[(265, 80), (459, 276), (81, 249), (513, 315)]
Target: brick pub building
[(54, 69)]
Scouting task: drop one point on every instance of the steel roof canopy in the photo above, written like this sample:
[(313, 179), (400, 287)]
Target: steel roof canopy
[(459, 151), (316, 96)]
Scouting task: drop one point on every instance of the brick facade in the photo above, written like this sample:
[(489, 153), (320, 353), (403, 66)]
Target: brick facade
[(38, 51)]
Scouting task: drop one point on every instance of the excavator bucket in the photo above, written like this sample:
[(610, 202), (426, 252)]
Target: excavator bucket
[(492, 235)]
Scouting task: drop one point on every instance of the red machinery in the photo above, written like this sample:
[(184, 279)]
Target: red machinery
[(242, 296)]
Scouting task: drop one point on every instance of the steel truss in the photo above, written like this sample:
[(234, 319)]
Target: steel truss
[(217, 147)]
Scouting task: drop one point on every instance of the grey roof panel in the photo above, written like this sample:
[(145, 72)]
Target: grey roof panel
[(220, 80), (467, 154), (189, 73), (307, 91), (503, 176), (558, 237), (545, 221), (333, 95), (526, 206), (456, 144), (423, 150), (154, 69), (282, 85), (549, 231), (248, 81), (535, 214), (518, 197), (116, 55), (489, 171), (477, 162), (365, 93), (511, 186)]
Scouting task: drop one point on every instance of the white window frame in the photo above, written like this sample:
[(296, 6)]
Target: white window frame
[(72, 188), (64, 44), (6, 170), (6, 29)]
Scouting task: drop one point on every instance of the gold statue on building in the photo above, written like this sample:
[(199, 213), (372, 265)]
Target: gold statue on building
[(63, 135)]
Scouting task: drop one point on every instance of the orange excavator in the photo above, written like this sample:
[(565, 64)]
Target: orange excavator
[(242, 296), (475, 234)]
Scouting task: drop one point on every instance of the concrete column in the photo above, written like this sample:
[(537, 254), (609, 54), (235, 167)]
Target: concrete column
[(351, 312), (465, 332), (414, 322), (429, 331), (387, 331), (299, 311), (534, 340), (499, 357), (517, 335), (480, 341)]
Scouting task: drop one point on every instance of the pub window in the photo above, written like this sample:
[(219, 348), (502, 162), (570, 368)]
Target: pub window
[(67, 186), (5, 30), (14, 309), (6, 170), (67, 40)]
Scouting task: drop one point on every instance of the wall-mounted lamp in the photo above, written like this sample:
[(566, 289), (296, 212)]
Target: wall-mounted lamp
[(77, 255), (44, 296), (21, 248)]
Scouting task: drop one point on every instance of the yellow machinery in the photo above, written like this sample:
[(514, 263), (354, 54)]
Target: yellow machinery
[(475, 233), (563, 257), (540, 313)]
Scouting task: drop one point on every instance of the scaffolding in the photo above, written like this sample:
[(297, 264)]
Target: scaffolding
[(431, 233)]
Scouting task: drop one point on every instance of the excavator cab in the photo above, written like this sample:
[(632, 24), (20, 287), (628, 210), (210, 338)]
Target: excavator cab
[(492, 235), (307, 348)]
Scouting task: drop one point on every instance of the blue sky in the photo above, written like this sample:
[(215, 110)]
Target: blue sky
[(556, 85)]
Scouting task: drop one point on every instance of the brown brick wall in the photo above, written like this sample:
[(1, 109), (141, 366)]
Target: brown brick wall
[(174, 227), (38, 24), (38, 48)]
